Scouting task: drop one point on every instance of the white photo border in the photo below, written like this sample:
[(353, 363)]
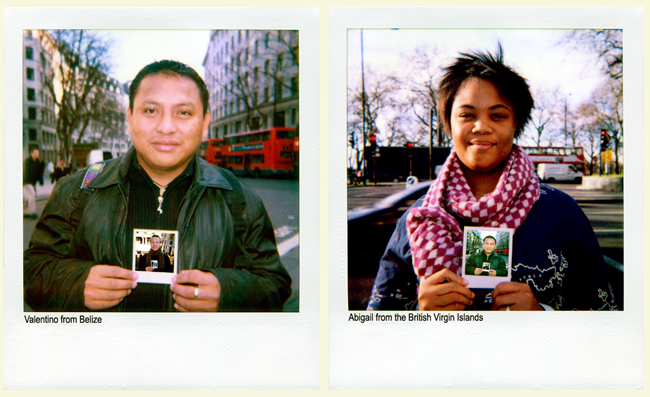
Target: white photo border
[(154, 277), (209, 351), (483, 281), (609, 343)]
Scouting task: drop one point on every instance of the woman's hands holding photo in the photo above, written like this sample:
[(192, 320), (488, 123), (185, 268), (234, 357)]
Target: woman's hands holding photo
[(444, 290), (517, 296)]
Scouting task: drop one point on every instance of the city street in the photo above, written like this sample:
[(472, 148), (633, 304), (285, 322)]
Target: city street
[(604, 209), (281, 200)]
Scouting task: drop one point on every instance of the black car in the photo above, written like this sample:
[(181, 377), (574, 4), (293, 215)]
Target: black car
[(369, 230)]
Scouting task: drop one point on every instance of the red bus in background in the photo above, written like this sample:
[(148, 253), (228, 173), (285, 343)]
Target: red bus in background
[(211, 150), (556, 155), (267, 152)]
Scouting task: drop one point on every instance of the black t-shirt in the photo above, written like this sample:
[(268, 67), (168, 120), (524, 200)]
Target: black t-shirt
[(143, 213)]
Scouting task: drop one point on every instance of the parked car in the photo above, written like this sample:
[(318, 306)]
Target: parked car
[(369, 229), (559, 172), (97, 155)]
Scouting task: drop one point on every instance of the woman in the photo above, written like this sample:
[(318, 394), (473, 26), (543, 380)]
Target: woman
[(488, 181)]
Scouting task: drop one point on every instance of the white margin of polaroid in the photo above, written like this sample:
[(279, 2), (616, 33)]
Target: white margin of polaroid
[(153, 277), (483, 281)]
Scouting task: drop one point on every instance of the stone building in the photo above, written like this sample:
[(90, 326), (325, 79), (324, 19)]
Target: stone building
[(252, 77), (39, 117)]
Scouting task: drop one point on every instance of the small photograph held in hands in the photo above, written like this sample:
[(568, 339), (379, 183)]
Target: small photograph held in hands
[(154, 255), (487, 256)]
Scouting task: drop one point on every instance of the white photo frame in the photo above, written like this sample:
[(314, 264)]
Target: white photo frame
[(154, 274), (484, 274)]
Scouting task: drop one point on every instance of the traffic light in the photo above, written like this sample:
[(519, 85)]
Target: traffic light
[(409, 149), (373, 144), (604, 140)]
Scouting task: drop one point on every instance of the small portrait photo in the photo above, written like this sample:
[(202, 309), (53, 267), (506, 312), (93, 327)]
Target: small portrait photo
[(154, 255), (487, 256)]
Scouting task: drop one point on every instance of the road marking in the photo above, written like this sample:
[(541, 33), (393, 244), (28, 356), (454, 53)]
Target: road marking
[(284, 231), (289, 244)]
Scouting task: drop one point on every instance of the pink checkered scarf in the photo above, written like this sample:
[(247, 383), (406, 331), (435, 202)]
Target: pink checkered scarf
[(435, 236)]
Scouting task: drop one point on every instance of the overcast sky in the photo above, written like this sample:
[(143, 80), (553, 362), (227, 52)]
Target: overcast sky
[(534, 53), (134, 49)]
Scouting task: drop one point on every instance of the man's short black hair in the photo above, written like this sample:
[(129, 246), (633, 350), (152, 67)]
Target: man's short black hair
[(486, 66), (155, 235), (492, 237), (171, 69), (33, 147)]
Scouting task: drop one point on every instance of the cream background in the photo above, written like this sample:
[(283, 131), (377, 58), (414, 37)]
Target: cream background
[(17, 372)]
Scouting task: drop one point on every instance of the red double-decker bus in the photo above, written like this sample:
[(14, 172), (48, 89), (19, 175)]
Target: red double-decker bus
[(211, 150), (268, 152), (556, 155)]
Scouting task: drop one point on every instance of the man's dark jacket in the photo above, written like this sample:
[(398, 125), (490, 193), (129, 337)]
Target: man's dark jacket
[(60, 256), (495, 260)]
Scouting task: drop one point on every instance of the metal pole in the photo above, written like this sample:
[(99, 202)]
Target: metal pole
[(363, 110), (431, 145), (565, 131)]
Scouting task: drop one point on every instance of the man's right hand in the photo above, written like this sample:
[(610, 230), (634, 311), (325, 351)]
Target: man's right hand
[(444, 290), (107, 285)]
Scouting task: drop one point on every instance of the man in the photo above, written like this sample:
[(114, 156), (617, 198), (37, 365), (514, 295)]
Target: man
[(487, 262), (32, 173), (155, 260), (228, 260)]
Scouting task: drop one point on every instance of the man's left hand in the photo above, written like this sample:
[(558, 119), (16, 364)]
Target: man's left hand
[(184, 285), (517, 296)]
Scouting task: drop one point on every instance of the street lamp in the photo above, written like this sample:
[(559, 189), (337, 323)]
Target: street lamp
[(565, 129)]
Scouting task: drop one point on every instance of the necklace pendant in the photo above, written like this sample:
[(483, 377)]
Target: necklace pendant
[(160, 201)]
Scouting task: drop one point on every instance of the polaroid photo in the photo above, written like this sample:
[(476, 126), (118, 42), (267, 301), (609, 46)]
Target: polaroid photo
[(154, 255), (487, 256)]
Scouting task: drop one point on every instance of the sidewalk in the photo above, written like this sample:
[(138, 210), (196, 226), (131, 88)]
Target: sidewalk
[(384, 189), (43, 192)]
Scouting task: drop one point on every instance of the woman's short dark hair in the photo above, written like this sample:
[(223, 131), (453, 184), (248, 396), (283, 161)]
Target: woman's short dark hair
[(488, 67), (171, 69)]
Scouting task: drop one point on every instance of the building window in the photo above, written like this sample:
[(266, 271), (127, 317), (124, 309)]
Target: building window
[(31, 113), (278, 119), (278, 90), (280, 64), (31, 94), (30, 74), (266, 94), (29, 53), (294, 116), (294, 86), (32, 134), (255, 123)]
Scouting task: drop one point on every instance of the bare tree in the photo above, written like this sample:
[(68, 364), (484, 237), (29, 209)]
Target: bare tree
[(605, 44), (589, 131), (378, 103), (80, 62), (419, 83), (542, 115), (248, 69), (608, 100)]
